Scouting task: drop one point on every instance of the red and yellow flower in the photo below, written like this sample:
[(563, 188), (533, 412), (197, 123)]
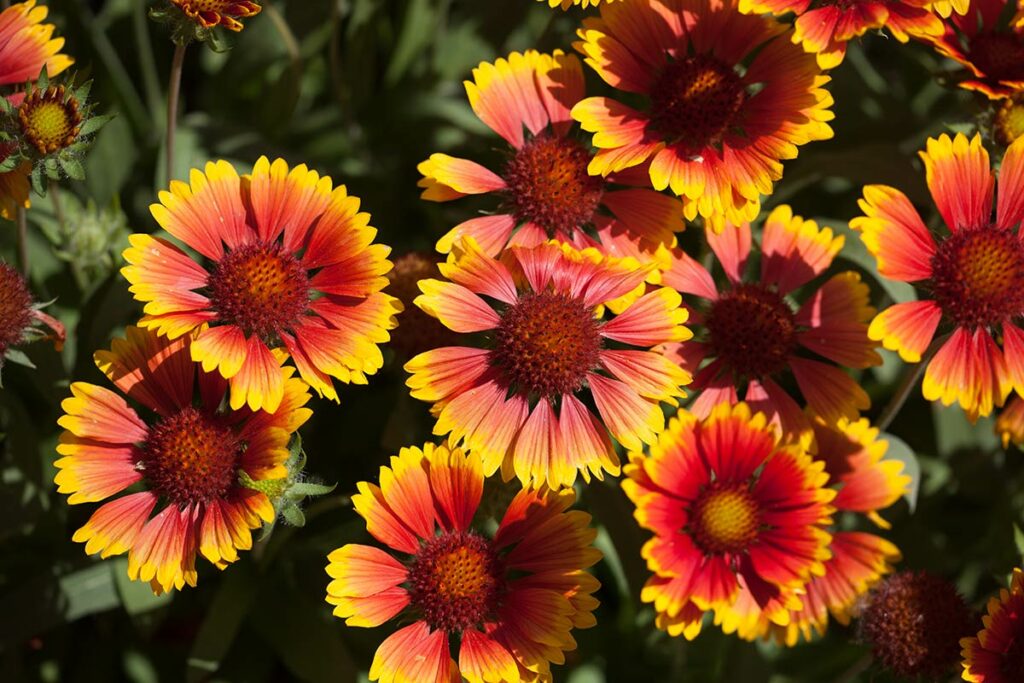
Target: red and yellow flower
[(734, 511), (543, 185), (27, 44), (750, 335), (292, 271), (185, 451), (226, 13), (995, 655), (824, 27), (506, 600), (974, 273), (515, 400), (865, 482), (20, 316), (1009, 425), (713, 132), (989, 42)]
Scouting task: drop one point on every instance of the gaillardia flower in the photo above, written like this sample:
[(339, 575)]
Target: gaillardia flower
[(865, 482), (995, 654), (1009, 425), (732, 510), (27, 44), (506, 601), (750, 334), (50, 119), (544, 188), (187, 453), (513, 398), (989, 42), (727, 98), (824, 27), (974, 273), (211, 13), (19, 315), (292, 270), (1008, 120)]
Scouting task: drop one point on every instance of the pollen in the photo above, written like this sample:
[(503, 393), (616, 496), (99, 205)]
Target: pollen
[(547, 343), (548, 185), (696, 100), (978, 276), (999, 55), (753, 330), (49, 119), (1009, 120), (15, 308), (190, 457), (725, 518), (456, 581), (260, 288)]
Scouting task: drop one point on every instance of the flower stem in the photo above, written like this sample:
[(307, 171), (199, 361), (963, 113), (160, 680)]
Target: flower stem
[(910, 377), (21, 219), (172, 106)]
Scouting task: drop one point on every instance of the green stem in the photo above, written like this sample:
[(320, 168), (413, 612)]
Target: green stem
[(150, 78), (910, 377), (173, 90), (21, 219)]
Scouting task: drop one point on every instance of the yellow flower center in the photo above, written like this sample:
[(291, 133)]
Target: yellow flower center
[(696, 100), (752, 329), (190, 457), (725, 519), (456, 580), (978, 276), (547, 343), (48, 120), (1009, 121)]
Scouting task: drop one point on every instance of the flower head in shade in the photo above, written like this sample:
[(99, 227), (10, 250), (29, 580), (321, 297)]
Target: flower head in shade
[(187, 453), (994, 655), (19, 316), (516, 397), (1008, 120), (972, 273), (726, 98), (865, 482), (287, 265), (503, 603), (824, 27), (733, 510), (211, 13), (750, 334), (417, 330), (989, 42), (914, 622), (27, 44), (543, 186), (1009, 425)]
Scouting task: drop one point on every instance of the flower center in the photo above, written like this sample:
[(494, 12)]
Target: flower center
[(456, 580), (696, 100), (725, 519), (190, 457), (48, 120), (999, 56), (1009, 121), (261, 289), (547, 343), (15, 308), (548, 184), (978, 276), (752, 329)]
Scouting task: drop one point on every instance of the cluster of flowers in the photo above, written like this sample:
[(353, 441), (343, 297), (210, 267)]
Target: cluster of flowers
[(565, 323)]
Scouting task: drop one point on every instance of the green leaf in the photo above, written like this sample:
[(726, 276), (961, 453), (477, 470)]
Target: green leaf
[(292, 513), (136, 596), (303, 489), (224, 617), (19, 357), (899, 450), (93, 124), (73, 167)]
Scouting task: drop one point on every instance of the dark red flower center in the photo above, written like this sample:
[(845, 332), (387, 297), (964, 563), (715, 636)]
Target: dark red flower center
[(1009, 120), (260, 288), (752, 329), (695, 101), (190, 457), (49, 119), (725, 518), (547, 343), (15, 308), (548, 184), (978, 276), (999, 55), (456, 581)]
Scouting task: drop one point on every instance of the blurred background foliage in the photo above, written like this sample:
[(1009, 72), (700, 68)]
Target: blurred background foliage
[(363, 90)]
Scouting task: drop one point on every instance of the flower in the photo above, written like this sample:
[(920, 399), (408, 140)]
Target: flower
[(417, 331), (19, 315), (714, 133), (914, 621), (989, 42), (300, 277), (566, 4), (50, 119), (1010, 423), (14, 185), (750, 334), (824, 27), (28, 44), (509, 598), (732, 509), (186, 452), (211, 13), (543, 185), (974, 273), (994, 655), (1008, 122), (514, 400), (865, 482)]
